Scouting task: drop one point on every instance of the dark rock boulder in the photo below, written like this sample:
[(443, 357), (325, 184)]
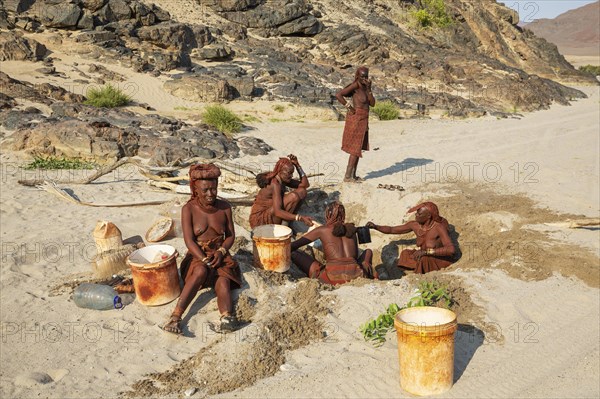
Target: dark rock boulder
[(253, 146), (58, 14), (15, 47), (18, 6), (44, 93), (169, 35), (13, 120), (203, 88), (212, 52), (6, 102)]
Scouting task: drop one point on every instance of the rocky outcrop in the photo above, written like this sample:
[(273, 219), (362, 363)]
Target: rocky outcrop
[(75, 130), (304, 51), (271, 19), (44, 93), (17, 48)]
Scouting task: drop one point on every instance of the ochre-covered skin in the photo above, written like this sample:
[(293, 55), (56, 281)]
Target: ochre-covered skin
[(426, 356), (157, 285)]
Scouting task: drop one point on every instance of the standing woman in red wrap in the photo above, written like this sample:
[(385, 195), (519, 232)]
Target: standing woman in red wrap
[(356, 129)]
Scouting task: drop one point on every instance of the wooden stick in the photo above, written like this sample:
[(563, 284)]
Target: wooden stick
[(54, 189), (577, 223)]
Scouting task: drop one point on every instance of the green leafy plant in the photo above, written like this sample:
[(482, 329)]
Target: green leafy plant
[(430, 293), (593, 69), (222, 119), (107, 96), (431, 13), (386, 110), (40, 162), (375, 330)]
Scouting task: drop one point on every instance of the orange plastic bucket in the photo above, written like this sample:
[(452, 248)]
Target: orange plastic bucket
[(272, 247), (426, 349), (156, 282)]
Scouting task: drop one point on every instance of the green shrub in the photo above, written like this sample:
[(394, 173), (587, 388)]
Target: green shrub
[(386, 110), (431, 13), (593, 69), (40, 162), (424, 19), (107, 96), (430, 293), (279, 108), (222, 119)]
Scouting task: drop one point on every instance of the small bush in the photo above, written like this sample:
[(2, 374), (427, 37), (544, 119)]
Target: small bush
[(593, 69), (222, 119), (40, 162), (430, 293), (432, 13), (424, 19), (107, 96), (279, 108), (386, 110)]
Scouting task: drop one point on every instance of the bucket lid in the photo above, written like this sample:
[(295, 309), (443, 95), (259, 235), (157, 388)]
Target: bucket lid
[(425, 320), (159, 230), (144, 258), (272, 231)]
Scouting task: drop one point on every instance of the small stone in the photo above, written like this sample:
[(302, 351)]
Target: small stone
[(190, 392)]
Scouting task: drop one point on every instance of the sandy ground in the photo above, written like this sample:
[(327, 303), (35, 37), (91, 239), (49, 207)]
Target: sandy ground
[(529, 311)]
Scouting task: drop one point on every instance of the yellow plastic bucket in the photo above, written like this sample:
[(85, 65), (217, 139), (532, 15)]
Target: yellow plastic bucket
[(156, 282), (272, 247), (426, 349)]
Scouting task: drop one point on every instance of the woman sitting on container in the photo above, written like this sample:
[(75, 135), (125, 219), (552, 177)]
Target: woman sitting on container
[(436, 250), (340, 247), (272, 204), (208, 233)]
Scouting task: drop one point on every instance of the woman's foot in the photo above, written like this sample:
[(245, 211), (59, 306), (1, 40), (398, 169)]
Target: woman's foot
[(229, 323), (173, 326)]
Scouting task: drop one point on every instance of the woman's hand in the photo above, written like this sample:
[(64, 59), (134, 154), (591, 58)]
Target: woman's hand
[(351, 110), (294, 160), (371, 225), (418, 255), (307, 220), (214, 261)]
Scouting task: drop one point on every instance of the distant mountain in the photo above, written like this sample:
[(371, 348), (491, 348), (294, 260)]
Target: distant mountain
[(576, 32)]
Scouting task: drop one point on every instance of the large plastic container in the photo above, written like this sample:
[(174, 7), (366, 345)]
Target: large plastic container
[(107, 236), (96, 296), (272, 247), (107, 263), (155, 277), (426, 349)]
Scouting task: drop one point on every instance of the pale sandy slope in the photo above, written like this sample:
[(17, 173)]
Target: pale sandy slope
[(550, 155)]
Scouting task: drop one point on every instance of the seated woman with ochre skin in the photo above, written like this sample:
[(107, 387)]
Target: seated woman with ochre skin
[(208, 233), (272, 204), (341, 250), (436, 250)]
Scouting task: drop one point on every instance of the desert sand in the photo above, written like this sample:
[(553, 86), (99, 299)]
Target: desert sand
[(529, 305)]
